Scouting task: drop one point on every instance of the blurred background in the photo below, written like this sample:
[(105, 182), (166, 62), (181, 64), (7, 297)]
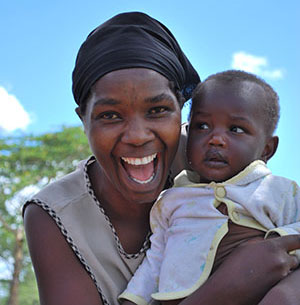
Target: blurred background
[(40, 134)]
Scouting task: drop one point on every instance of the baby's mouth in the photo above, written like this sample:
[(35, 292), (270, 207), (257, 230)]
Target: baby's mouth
[(215, 159), (140, 170)]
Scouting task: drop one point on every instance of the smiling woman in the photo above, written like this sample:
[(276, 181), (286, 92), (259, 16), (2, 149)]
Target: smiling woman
[(132, 122), (130, 81), (88, 232)]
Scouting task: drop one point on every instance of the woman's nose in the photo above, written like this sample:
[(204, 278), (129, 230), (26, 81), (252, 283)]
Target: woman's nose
[(137, 132)]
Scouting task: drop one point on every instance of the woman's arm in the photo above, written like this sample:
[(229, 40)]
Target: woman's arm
[(248, 273), (244, 277), (60, 276), (286, 292)]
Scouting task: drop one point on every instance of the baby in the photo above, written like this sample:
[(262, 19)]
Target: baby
[(230, 139)]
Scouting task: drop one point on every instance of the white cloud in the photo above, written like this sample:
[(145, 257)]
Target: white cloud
[(12, 114), (255, 64), (14, 204)]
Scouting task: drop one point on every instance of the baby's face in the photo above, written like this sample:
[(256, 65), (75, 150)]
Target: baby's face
[(227, 130)]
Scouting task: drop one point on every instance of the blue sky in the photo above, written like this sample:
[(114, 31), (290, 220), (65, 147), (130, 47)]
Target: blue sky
[(40, 39)]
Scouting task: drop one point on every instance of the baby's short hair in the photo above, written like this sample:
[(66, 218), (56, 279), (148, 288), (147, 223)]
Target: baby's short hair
[(271, 102)]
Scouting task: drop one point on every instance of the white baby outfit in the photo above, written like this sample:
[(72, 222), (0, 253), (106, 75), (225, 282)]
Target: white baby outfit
[(187, 228)]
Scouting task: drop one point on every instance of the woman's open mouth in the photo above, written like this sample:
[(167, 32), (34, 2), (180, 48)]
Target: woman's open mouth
[(140, 170)]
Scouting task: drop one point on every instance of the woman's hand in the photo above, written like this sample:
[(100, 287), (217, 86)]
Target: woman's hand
[(254, 268), (286, 292), (248, 273)]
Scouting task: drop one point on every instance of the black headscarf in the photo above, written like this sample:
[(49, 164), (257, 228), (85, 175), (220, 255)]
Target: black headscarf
[(131, 40)]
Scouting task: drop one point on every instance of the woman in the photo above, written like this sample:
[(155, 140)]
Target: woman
[(88, 232)]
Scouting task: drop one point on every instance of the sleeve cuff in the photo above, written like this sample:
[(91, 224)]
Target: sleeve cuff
[(133, 298), (278, 231)]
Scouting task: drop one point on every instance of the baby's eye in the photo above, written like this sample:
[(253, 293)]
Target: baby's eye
[(203, 126), (237, 129), (158, 110)]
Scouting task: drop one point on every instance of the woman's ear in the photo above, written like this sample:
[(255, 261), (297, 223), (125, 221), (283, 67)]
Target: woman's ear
[(80, 115), (78, 112), (270, 148)]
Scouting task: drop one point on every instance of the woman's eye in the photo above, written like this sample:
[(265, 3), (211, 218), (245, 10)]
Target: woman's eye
[(158, 110), (109, 116), (237, 129)]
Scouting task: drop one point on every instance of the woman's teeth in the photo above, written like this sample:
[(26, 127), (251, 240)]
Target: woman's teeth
[(139, 161), (143, 182), (140, 170)]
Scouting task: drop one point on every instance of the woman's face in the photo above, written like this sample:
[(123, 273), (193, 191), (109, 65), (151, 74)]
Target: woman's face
[(132, 122)]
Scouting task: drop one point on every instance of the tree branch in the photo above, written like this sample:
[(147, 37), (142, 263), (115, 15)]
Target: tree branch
[(6, 225)]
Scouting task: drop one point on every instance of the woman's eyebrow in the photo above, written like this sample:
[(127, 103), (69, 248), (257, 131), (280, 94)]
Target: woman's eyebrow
[(106, 101), (151, 100), (158, 98)]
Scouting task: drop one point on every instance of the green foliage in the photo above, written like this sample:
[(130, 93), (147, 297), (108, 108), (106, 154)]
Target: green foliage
[(28, 293), (30, 161), (26, 160)]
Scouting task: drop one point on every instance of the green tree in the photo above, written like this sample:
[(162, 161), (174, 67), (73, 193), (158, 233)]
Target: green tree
[(27, 163)]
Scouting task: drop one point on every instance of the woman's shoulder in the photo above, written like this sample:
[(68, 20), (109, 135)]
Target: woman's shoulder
[(59, 193)]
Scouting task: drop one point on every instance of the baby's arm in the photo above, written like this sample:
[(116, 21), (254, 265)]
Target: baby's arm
[(287, 218), (244, 279), (287, 291), (287, 222)]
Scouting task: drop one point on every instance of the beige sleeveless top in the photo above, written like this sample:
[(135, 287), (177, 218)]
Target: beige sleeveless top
[(72, 204)]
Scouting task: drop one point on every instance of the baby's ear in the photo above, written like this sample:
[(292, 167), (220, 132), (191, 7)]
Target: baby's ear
[(270, 148), (186, 127)]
